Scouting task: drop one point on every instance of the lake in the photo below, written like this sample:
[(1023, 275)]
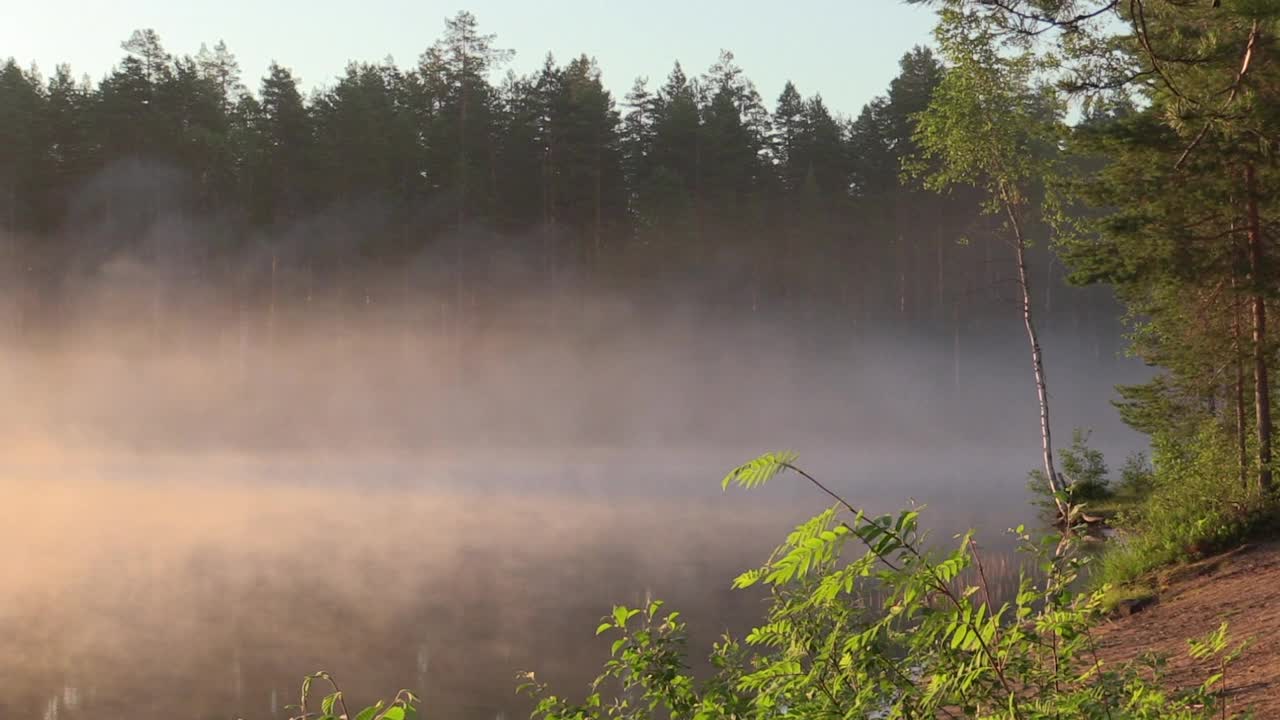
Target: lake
[(206, 586), (190, 528)]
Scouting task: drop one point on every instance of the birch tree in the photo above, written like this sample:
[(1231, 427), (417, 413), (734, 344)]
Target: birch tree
[(990, 126)]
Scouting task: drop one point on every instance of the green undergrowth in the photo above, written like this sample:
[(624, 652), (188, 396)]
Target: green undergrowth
[(862, 619), (1195, 505), (1114, 508), (332, 705), (1089, 484), (1114, 597)]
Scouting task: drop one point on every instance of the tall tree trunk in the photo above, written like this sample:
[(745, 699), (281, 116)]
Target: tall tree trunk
[(271, 310), (941, 308), (548, 209), (989, 271), (1261, 386), (12, 206), (1237, 347), (919, 278), (697, 195), (902, 275), (463, 170), (955, 345), (1011, 202), (1241, 441), (460, 242), (242, 317), (598, 220)]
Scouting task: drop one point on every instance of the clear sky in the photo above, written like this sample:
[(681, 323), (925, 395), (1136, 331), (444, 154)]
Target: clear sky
[(845, 49)]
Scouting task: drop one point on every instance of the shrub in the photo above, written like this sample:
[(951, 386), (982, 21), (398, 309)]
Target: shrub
[(333, 706), (1083, 468), (890, 631), (1195, 505), (1137, 478)]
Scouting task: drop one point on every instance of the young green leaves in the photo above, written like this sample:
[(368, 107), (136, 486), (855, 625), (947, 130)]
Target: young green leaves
[(893, 631), (759, 471)]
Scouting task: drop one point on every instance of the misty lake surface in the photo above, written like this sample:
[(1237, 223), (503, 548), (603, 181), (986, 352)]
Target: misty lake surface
[(187, 532), (151, 586)]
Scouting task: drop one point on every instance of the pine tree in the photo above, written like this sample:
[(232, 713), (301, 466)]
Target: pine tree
[(1176, 244), (637, 143), (220, 67), (25, 168), (463, 141), (732, 144), (71, 153), (668, 202), (522, 155), (195, 108), (590, 167), (788, 128), (281, 155)]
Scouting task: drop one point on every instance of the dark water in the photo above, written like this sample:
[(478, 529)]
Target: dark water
[(205, 587)]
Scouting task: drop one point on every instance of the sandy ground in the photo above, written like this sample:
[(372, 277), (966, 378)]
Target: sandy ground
[(1241, 587)]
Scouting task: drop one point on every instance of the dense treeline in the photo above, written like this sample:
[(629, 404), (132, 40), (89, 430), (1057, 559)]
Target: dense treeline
[(390, 183), (1182, 215)]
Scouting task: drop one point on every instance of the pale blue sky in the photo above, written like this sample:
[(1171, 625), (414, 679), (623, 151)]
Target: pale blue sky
[(845, 49)]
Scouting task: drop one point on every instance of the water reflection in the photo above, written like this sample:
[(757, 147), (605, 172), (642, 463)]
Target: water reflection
[(206, 589)]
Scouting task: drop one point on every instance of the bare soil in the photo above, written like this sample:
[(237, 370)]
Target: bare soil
[(1241, 587)]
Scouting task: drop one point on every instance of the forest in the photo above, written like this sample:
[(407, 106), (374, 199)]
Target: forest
[(1042, 167), (452, 184)]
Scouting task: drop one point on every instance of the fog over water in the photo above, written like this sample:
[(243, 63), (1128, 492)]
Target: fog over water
[(202, 508), (413, 379)]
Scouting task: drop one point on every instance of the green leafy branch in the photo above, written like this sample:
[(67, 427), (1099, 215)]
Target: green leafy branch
[(892, 631), (333, 706)]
